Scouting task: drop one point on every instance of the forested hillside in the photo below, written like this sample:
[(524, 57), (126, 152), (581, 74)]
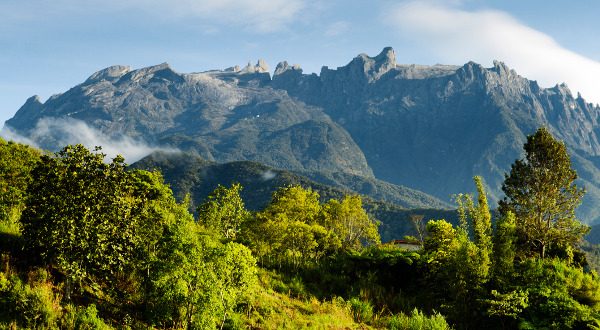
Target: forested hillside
[(88, 242), (190, 174)]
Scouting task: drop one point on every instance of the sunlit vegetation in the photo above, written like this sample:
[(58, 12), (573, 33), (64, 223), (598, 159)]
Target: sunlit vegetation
[(87, 243)]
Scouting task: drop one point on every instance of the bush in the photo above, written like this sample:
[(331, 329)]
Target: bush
[(82, 318), (417, 321), (362, 311), (31, 306)]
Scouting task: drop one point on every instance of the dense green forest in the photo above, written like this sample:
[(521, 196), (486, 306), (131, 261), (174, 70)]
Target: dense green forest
[(91, 244)]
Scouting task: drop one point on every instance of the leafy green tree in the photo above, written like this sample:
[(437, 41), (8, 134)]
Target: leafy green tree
[(235, 270), (350, 222), (94, 220), (296, 203), (287, 233), (439, 250), (181, 281), (478, 217), (224, 211), (196, 282), (74, 216), (541, 192), (482, 227), (16, 162), (457, 267)]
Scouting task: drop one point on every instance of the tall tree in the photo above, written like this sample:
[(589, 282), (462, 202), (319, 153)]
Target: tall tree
[(91, 219), (541, 192), (224, 211), (350, 222)]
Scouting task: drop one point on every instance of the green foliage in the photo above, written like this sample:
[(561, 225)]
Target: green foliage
[(82, 318), (283, 235), (31, 305), (504, 248), (362, 311), (478, 218), (145, 262), (560, 296), (296, 231), (235, 270), (195, 280), (507, 305), (417, 321), (224, 211), (482, 228), (457, 267), (16, 162), (181, 280), (296, 204), (81, 213), (541, 192), (350, 222), (440, 243)]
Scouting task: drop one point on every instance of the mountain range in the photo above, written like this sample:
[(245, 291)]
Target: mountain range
[(372, 121)]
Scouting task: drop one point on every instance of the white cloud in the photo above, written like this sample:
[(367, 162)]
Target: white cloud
[(10, 135), (64, 131), (337, 28), (457, 36), (268, 175)]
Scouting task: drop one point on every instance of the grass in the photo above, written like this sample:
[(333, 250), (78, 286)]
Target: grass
[(270, 309)]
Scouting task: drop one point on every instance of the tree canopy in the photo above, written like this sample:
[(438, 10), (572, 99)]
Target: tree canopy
[(540, 191)]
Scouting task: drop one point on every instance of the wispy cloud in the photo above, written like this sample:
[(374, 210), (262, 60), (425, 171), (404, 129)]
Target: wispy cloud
[(63, 131), (457, 35), (337, 28), (268, 175)]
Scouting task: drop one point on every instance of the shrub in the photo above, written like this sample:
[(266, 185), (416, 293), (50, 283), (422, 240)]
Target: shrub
[(417, 321), (362, 311), (31, 306), (82, 318)]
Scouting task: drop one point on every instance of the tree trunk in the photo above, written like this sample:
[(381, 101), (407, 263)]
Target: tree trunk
[(543, 253)]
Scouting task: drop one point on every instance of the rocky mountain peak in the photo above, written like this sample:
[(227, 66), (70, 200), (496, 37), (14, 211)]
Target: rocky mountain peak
[(374, 67), (387, 58), (111, 73), (34, 100), (260, 67), (137, 74), (562, 89), (502, 69), (284, 66)]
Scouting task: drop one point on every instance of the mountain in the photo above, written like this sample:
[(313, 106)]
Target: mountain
[(431, 128), (188, 173)]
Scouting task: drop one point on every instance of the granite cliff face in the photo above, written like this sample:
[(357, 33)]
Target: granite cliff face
[(427, 127)]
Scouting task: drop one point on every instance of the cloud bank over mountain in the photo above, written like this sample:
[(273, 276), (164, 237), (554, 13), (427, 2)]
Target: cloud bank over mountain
[(64, 131)]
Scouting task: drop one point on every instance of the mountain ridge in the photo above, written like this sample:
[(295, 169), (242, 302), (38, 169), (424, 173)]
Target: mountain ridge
[(431, 128)]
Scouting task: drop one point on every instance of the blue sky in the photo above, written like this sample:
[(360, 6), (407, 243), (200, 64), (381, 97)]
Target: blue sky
[(47, 47)]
